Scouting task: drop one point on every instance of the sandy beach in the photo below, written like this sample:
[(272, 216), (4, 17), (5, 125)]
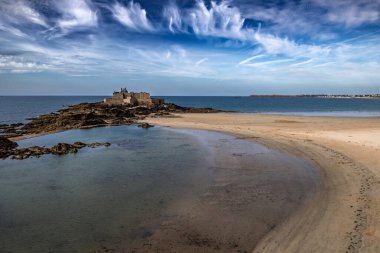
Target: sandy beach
[(344, 214)]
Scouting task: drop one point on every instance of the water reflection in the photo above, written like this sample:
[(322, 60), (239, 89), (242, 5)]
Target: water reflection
[(152, 190)]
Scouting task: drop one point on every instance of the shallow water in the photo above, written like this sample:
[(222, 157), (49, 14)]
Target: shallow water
[(153, 190)]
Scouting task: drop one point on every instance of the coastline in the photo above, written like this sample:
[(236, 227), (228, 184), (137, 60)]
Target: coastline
[(344, 215)]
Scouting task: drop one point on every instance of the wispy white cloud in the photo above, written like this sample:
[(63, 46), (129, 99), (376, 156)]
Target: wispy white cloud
[(289, 19), (276, 45), (353, 16), (179, 51), (12, 30), (350, 13), (19, 11), (15, 14), (174, 18), (168, 55), (24, 10), (198, 63), (76, 14), (223, 20), (266, 63), (132, 16), (255, 56), (218, 20), (250, 59), (13, 65), (301, 63)]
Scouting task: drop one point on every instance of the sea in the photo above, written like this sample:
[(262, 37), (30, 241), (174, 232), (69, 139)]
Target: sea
[(14, 109)]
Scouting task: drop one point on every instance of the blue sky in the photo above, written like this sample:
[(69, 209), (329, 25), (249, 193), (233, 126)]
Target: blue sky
[(189, 47)]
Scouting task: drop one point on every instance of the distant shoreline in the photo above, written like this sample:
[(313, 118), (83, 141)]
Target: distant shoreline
[(363, 96)]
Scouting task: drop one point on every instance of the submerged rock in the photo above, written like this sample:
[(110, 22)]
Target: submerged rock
[(24, 153), (63, 148), (145, 125), (79, 144), (36, 151), (98, 144)]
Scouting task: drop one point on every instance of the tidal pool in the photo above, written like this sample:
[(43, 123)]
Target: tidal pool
[(153, 190)]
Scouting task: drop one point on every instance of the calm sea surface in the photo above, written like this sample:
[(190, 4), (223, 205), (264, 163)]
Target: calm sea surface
[(286, 105), (17, 109)]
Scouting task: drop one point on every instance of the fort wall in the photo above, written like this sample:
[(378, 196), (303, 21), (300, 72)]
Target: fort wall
[(123, 97)]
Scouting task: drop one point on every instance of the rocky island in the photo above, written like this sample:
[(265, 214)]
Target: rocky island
[(124, 108)]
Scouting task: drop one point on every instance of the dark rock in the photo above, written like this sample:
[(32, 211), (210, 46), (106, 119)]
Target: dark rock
[(86, 115), (121, 121), (145, 125), (93, 122), (98, 144), (39, 150), (59, 149), (9, 130), (10, 135), (16, 125), (63, 148), (24, 153), (82, 115), (7, 144), (79, 144)]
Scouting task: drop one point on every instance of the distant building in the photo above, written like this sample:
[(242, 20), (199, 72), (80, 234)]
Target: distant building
[(123, 97)]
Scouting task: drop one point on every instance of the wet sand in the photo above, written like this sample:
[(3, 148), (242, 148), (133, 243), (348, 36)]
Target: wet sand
[(344, 214), (252, 190)]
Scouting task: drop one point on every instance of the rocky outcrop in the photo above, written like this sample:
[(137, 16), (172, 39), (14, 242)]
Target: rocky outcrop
[(9, 149), (87, 115), (6, 147), (6, 144), (145, 125), (84, 115)]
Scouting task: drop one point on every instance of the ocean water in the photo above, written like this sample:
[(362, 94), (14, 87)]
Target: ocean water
[(286, 105), (17, 109), (152, 190)]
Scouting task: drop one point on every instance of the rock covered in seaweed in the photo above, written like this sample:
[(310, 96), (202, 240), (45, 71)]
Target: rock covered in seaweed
[(6, 144), (36, 151), (63, 148), (6, 147), (145, 125), (87, 115), (84, 115)]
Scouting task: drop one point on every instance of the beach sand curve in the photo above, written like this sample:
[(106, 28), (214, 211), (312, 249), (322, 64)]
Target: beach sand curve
[(344, 215)]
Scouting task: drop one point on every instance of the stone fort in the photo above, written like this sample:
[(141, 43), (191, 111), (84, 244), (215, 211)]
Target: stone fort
[(123, 97)]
